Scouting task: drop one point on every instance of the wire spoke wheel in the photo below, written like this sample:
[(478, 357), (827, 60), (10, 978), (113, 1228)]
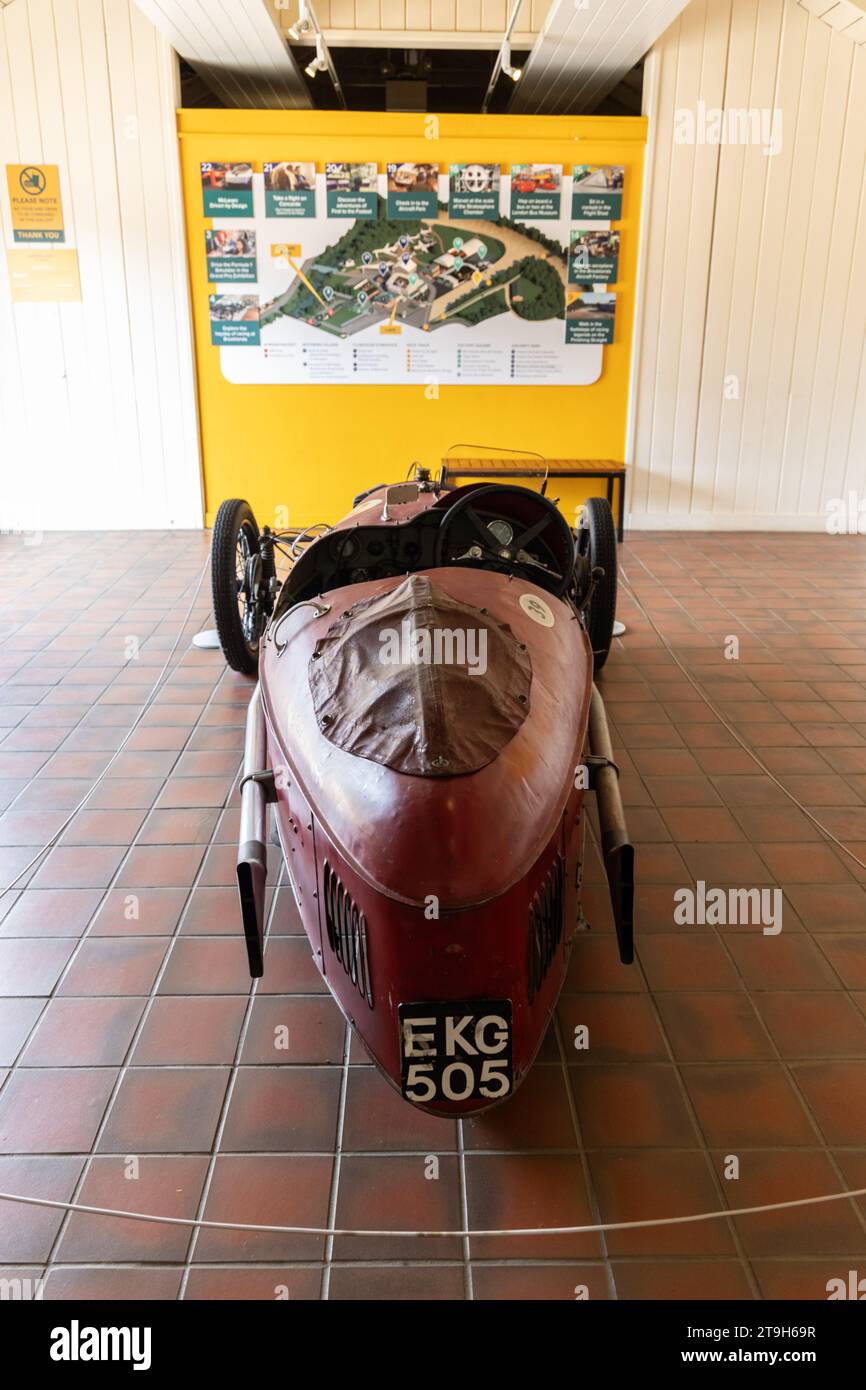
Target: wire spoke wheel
[(595, 542), (236, 574)]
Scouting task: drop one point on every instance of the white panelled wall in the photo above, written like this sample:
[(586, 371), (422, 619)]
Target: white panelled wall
[(98, 424), (749, 389)]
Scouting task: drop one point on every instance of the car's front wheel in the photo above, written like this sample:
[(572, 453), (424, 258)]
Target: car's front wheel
[(595, 539), (236, 576)]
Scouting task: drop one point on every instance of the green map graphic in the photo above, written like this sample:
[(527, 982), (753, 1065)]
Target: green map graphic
[(426, 274)]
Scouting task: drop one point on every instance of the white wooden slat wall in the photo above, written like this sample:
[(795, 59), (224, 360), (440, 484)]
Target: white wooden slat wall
[(753, 274), (443, 20), (98, 415)]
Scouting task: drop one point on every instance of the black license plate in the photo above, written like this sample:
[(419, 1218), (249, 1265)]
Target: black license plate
[(453, 1052)]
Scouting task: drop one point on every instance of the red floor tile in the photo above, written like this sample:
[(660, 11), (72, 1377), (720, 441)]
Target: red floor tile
[(98, 1282), (546, 1283), (836, 1094), (272, 1190), (636, 1185), (287, 1109), (705, 1280), (83, 1033), (847, 957), (294, 1030), (142, 912), (753, 1105), (213, 911), (79, 867), (194, 791), (813, 1024), (595, 965), (126, 793), (32, 967), (768, 1177), (232, 1282), (48, 912), (785, 961), (290, 968), (165, 1110), (56, 1110), (713, 1027), (689, 959), (114, 966), (190, 826), (162, 1186), (377, 1119), (28, 1233), (396, 1283), (190, 1030), (523, 1192), (207, 965), (615, 1027), (800, 863), (640, 1106), (389, 1192), (161, 866), (17, 1017)]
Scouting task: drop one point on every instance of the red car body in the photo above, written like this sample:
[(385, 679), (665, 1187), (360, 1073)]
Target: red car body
[(424, 894)]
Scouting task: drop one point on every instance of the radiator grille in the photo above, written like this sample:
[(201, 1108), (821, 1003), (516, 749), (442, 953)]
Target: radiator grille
[(347, 933), (545, 926)]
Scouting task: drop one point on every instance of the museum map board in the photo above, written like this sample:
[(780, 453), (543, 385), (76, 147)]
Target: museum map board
[(455, 308)]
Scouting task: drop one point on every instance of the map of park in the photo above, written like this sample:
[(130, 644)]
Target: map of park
[(426, 274)]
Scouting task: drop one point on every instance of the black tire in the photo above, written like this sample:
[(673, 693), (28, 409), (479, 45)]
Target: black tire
[(235, 538), (596, 539)]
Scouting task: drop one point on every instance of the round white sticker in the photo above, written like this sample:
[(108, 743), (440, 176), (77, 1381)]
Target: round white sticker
[(536, 609)]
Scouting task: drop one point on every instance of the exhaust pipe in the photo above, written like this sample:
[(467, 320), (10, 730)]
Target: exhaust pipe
[(252, 847), (617, 850)]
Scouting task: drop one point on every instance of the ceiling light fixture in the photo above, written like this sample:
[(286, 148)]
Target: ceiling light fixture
[(503, 59), (505, 62), (320, 62), (306, 26), (302, 25)]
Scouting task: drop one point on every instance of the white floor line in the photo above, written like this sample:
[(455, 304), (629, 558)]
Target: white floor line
[(333, 1231)]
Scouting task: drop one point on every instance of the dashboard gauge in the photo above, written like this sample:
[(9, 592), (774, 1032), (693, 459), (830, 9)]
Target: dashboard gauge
[(501, 530), (345, 546)]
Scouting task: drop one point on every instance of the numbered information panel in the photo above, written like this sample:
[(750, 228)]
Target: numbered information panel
[(419, 285)]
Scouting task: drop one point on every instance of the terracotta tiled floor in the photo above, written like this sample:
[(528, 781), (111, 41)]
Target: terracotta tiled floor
[(138, 1067)]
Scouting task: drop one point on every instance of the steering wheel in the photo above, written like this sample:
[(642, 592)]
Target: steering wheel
[(487, 526)]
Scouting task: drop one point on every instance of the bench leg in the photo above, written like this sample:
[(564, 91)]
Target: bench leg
[(620, 511)]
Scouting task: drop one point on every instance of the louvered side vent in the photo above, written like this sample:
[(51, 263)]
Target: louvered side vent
[(545, 926), (347, 934)]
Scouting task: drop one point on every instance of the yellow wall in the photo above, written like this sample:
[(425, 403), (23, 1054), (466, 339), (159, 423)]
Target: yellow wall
[(311, 448)]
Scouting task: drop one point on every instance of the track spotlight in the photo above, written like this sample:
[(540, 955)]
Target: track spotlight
[(320, 62), (503, 62), (514, 73), (302, 25)]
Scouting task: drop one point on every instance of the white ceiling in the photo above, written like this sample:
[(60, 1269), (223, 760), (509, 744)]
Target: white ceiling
[(236, 47), (585, 48), (426, 24), (580, 49)]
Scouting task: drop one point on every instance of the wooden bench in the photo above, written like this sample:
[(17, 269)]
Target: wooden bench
[(551, 468)]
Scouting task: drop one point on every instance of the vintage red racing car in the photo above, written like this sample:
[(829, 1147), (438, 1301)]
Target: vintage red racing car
[(426, 726)]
